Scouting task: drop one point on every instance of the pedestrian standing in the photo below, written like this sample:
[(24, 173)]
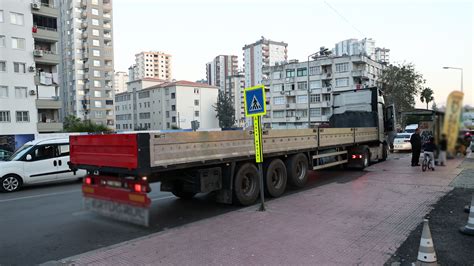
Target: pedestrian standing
[(443, 147), (415, 141), (429, 149)]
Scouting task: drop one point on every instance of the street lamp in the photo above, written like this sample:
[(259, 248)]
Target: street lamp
[(457, 68), (322, 51)]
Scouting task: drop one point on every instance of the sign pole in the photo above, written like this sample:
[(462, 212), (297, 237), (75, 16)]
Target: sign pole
[(257, 120)]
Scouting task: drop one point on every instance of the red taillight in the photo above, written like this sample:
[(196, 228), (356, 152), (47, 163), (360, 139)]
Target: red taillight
[(137, 187), (88, 180), (354, 156)]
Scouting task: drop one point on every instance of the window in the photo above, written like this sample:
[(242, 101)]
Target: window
[(144, 115), (118, 126), (276, 75), (167, 114), (95, 11), (302, 99), (44, 152), (96, 52), (4, 116), (196, 102), (97, 94), (173, 107), (173, 119), (3, 66), (3, 92), (315, 112), (18, 43), (2, 41), (302, 85), (95, 43), (96, 63), (167, 124), (97, 73), (97, 83), (144, 94), (1, 16), (98, 104), (326, 97), (315, 84), (95, 32), (314, 70), (196, 91), (278, 114), (173, 95), (343, 67), (95, 22), (22, 116), (99, 114), (196, 113), (342, 82), (63, 150), (279, 100), (302, 113), (301, 72), (19, 67), (16, 18), (20, 92), (290, 73), (277, 87), (315, 98)]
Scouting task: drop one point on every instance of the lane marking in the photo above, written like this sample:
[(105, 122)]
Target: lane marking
[(40, 196), (163, 198)]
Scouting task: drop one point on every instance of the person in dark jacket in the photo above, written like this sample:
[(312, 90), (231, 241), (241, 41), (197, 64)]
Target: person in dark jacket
[(415, 141), (443, 147), (429, 149)]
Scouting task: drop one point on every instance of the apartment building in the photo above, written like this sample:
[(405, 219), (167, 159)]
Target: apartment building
[(152, 65), (287, 88), (236, 85), (120, 81), (87, 60), (167, 105), (18, 94), (382, 55), (262, 53), (365, 47), (219, 69)]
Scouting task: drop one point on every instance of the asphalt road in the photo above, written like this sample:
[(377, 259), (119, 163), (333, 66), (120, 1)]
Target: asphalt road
[(44, 223)]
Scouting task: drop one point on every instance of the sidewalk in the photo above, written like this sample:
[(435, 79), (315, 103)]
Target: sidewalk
[(360, 221)]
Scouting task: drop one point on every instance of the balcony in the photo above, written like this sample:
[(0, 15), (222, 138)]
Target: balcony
[(84, 14), (107, 25), (49, 127), (84, 25), (326, 89), (84, 35), (359, 73), (107, 6), (48, 103), (46, 57), (44, 9), (107, 36), (84, 3), (45, 33)]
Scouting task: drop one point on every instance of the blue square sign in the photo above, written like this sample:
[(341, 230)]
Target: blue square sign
[(254, 99)]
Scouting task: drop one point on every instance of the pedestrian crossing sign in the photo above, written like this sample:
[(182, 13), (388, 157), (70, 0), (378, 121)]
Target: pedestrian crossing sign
[(254, 99)]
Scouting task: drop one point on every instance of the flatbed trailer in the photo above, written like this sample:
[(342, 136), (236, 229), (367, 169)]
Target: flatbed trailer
[(121, 166)]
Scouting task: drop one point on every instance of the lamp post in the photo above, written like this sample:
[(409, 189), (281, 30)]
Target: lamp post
[(457, 68), (322, 51)]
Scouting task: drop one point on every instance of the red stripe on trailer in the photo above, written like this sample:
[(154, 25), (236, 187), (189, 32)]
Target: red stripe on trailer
[(116, 195), (113, 150)]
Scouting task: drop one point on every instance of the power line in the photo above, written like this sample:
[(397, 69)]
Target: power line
[(344, 18)]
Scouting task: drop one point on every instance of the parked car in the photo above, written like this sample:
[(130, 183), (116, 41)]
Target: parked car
[(4, 154), (402, 142), (36, 162), (411, 128)]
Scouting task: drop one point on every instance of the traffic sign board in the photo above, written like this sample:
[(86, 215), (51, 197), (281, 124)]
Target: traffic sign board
[(254, 99)]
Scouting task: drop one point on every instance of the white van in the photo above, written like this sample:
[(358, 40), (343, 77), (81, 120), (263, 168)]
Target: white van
[(411, 128), (38, 161)]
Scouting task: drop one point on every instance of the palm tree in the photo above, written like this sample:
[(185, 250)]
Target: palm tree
[(426, 95)]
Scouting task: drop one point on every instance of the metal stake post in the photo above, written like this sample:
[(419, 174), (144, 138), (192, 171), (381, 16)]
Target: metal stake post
[(258, 128)]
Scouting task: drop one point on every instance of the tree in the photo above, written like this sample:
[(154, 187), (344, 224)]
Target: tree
[(74, 124), (426, 95), (401, 83), (225, 110)]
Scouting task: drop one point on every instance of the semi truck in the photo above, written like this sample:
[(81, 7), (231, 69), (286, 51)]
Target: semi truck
[(121, 166)]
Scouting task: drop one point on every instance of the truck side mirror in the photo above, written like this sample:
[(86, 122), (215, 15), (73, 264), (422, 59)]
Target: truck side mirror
[(29, 157)]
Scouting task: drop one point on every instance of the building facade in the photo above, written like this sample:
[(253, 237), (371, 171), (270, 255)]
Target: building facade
[(87, 60), (167, 105), (365, 47), (287, 88), (263, 53), (152, 65), (382, 55), (120, 81), (236, 85), (219, 69)]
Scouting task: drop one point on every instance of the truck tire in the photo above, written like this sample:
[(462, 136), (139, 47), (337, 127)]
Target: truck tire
[(366, 160), (10, 183), (297, 169), (384, 153), (179, 192), (275, 178), (246, 184)]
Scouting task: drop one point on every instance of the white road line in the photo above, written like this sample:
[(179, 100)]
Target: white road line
[(40, 196), (163, 198)]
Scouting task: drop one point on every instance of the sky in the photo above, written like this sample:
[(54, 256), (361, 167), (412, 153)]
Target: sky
[(429, 34)]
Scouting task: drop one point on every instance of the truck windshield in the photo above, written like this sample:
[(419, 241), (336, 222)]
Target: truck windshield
[(20, 152)]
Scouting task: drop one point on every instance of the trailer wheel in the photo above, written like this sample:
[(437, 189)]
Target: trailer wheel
[(275, 178), (297, 168), (246, 184), (179, 192), (384, 153), (366, 161)]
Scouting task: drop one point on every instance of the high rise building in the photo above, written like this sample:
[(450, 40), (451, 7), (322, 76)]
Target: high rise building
[(220, 69), (364, 47), (152, 65), (87, 61), (120, 81), (236, 85), (18, 94), (382, 55), (287, 87), (260, 54)]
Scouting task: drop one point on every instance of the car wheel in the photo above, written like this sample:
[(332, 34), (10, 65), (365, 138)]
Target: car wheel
[(11, 183)]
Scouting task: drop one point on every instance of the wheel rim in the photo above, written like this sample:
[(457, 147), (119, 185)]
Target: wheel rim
[(300, 170), (10, 183), (248, 185), (366, 161), (277, 178)]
